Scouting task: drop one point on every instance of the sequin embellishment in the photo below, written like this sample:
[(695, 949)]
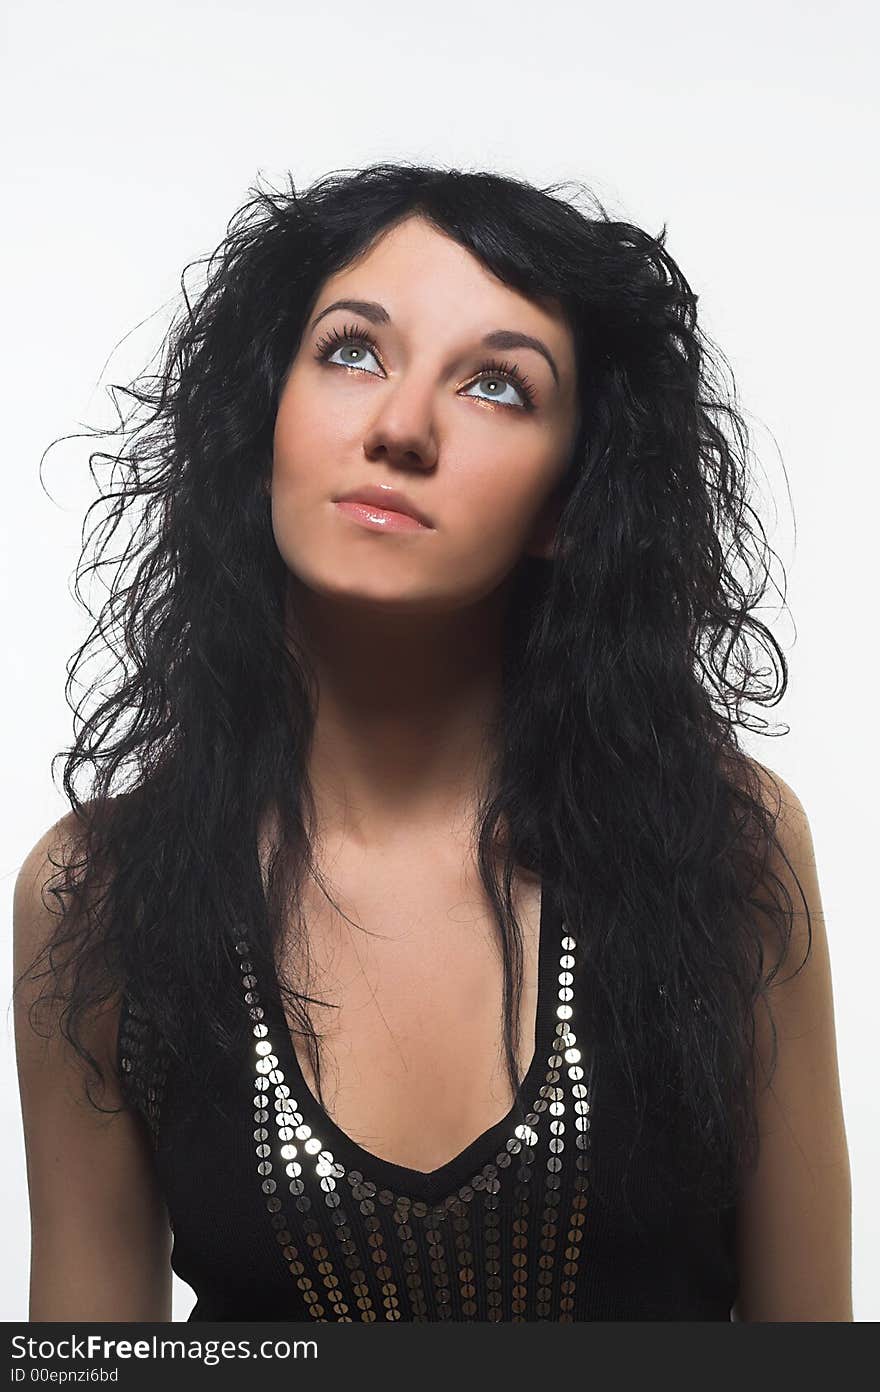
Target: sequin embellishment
[(144, 1064), (406, 1259)]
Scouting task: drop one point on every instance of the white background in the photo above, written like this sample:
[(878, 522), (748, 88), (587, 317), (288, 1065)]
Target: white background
[(133, 132)]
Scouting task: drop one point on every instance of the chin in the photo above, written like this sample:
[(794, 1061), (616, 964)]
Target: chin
[(364, 592)]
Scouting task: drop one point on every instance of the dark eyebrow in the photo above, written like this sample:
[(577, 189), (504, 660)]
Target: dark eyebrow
[(505, 338), (368, 308), (499, 338)]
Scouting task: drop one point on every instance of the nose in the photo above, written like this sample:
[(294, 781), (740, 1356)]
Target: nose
[(403, 430)]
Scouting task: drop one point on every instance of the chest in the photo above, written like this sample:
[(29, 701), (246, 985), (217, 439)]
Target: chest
[(404, 973)]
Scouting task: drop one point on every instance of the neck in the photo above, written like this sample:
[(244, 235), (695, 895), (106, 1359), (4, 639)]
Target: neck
[(401, 742)]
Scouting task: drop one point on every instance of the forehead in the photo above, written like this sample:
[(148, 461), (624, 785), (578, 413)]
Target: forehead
[(414, 269)]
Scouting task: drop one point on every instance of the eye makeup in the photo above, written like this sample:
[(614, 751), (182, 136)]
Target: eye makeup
[(490, 368)]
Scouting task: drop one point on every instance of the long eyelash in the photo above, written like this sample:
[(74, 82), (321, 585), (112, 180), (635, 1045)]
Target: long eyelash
[(493, 368), (490, 367), (350, 334)]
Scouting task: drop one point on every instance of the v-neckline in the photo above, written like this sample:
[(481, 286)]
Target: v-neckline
[(401, 1179)]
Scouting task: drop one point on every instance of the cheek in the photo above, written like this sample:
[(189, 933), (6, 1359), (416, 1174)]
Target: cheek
[(487, 526), (494, 511), (297, 437)]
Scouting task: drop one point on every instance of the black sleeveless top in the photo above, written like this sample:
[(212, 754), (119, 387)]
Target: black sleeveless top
[(280, 1215)]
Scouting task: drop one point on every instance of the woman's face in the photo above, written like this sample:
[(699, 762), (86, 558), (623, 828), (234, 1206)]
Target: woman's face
[(402, 400)]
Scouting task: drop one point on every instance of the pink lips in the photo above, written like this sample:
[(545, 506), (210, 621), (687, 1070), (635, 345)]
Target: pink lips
[(379, 518), (384, 508)]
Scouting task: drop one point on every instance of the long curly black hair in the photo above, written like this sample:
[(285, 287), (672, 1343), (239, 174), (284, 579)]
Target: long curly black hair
[(629, 659)]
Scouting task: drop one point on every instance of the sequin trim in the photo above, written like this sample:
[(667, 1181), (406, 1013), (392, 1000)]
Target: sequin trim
[(144, 1066), (431, 1245)]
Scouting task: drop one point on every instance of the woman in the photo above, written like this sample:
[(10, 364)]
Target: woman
[(431, 937)]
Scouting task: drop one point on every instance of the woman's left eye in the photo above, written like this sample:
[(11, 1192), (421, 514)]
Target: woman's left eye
[(499, 386), (350, 347)]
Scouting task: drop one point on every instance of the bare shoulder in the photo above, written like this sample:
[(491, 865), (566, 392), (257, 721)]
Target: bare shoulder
[(801, 994), (795, 1213), (100, 1237), (43, 856), (790, 855), (36, 917), (781, 799), (776, 794)]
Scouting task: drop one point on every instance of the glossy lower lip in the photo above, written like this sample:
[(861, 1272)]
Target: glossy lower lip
[(380, 519)]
